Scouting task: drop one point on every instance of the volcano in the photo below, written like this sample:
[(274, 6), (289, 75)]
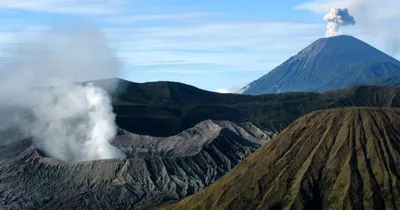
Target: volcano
[(332, 159), (332, 63), (156, 169)]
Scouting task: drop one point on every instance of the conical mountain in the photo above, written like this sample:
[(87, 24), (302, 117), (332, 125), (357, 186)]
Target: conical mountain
[(332, 159), (328, 64)]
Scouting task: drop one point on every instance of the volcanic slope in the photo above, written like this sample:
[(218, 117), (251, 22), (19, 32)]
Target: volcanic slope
[(328, 64), (157, 169), (332, 159), (167, 108)]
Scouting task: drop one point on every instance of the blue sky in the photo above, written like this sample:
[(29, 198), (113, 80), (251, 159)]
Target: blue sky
[(212, 44)]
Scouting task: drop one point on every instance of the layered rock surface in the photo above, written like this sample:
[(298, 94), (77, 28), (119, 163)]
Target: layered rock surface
[(157, 170)]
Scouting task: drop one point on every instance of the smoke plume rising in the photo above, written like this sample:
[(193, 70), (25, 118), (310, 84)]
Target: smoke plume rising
[(69, 121), (376, 19), (337, 18)]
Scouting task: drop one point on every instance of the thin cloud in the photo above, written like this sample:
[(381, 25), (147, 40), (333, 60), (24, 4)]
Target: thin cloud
[(160, 17), (219, 36), (220, 45), (225, 90), (319, 7), (6, 38), (245, 61), (84, 7), (12, 34), (234, 29), (382, 9), (237, 45)]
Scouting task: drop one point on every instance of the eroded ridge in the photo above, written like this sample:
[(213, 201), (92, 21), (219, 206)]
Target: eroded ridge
[(332, 159)]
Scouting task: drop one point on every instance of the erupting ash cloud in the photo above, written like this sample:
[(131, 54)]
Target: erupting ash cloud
[(69, 121), (337, 18)]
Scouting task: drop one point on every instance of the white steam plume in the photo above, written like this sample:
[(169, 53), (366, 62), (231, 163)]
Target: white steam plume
[(378, 19), (69, 121), (74, 123), (337, 18)]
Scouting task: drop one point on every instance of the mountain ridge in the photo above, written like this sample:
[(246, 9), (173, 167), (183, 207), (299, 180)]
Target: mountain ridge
[(189, 142), (175, 107)]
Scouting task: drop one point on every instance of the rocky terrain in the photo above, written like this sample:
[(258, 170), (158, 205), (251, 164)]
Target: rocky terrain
[(333, 159), (162, 168), (157, 169)]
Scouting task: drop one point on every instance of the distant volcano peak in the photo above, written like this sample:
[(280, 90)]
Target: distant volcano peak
[(340, 39), (327, 64), (348, 46)]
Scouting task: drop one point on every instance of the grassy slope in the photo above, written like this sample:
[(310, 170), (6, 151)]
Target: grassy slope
[(333, 159)]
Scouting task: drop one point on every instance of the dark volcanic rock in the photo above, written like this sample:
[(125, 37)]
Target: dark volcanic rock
[(158, 170), (168, 108)]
